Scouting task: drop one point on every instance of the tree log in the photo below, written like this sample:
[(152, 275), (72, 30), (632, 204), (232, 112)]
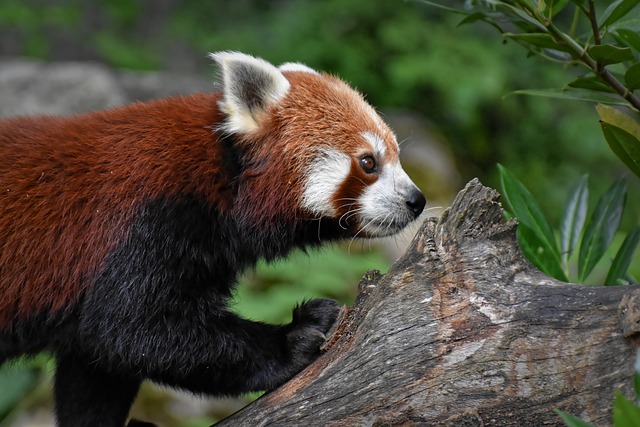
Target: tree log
[(464, 331)]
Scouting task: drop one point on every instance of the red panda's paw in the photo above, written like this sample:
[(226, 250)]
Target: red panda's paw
[(316, 313), (311, 321)]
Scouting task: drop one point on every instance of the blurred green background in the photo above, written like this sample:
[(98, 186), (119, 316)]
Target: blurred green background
[(404, 55), (401, 54)]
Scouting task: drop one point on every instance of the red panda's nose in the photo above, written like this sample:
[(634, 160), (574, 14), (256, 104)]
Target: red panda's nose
[(416, 202)]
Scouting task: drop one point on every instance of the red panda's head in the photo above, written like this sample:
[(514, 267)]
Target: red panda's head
[(322, 150)]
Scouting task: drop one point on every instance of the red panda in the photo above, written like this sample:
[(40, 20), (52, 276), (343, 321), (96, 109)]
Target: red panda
[(122, 232)]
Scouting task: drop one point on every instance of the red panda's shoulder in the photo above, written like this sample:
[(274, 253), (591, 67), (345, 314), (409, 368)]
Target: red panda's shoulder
[(75, 182)]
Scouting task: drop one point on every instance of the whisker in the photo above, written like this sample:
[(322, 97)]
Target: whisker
[(319, 223), (410, 140), (348, 215)]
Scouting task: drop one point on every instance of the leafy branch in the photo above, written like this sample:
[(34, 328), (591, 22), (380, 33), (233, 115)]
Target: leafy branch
[(599, 55), (594, 233), (607, 44)]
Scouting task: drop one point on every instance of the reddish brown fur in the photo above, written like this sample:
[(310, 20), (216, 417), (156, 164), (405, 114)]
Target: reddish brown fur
[(70, 185), (319, 103), (314, 113)]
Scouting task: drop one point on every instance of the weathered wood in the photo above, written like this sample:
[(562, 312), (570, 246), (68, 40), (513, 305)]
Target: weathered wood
[(463, 331)]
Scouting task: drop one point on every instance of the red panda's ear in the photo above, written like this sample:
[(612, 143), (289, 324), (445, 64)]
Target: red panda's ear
[(250, 86)]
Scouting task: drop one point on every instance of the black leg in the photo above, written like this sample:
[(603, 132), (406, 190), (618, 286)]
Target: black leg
[(159, 307), (209, 350), (239, 355), (87, 396)]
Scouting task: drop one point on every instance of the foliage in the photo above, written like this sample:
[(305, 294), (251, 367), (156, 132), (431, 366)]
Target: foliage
[(271, 291), (622, 133), (606, 44), (595, 233), (21, 383)]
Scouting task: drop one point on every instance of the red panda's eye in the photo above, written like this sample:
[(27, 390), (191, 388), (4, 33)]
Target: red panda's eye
[(368, 164)]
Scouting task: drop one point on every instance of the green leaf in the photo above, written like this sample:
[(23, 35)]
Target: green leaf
[(519, 14), (622, 260), (480, 16), (591, 83), (448, 9), (601, 228), (624, 145), (16, 383), (632, 77), (618, 118), (473, 17), (541, 40), (558, 6), (573, 216), (630, 37), (524, 205), (526, 209), (538, 253), (622, 133), (625, 413), (572, 421), (607, 54), (574, 94), (616, 11)]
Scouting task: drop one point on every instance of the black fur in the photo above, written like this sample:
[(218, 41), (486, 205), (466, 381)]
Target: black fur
[(158, 311)]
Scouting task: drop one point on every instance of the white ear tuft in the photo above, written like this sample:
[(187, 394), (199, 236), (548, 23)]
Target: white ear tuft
[(296, 66), (250, 87)]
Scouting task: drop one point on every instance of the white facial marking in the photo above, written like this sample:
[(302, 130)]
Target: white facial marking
[(377, 143), (323, 179), (384, 208), (296, 66)]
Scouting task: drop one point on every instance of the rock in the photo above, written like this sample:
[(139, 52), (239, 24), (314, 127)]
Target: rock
[(154, 85), (31, 87)]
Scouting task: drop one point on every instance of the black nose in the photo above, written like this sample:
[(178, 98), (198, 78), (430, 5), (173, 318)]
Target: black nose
[(416, 202)]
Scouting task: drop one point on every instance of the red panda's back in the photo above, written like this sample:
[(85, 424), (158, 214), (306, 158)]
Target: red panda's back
[(70, 185)]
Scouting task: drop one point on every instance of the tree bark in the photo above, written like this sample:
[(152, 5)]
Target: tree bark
[(463, 331)]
